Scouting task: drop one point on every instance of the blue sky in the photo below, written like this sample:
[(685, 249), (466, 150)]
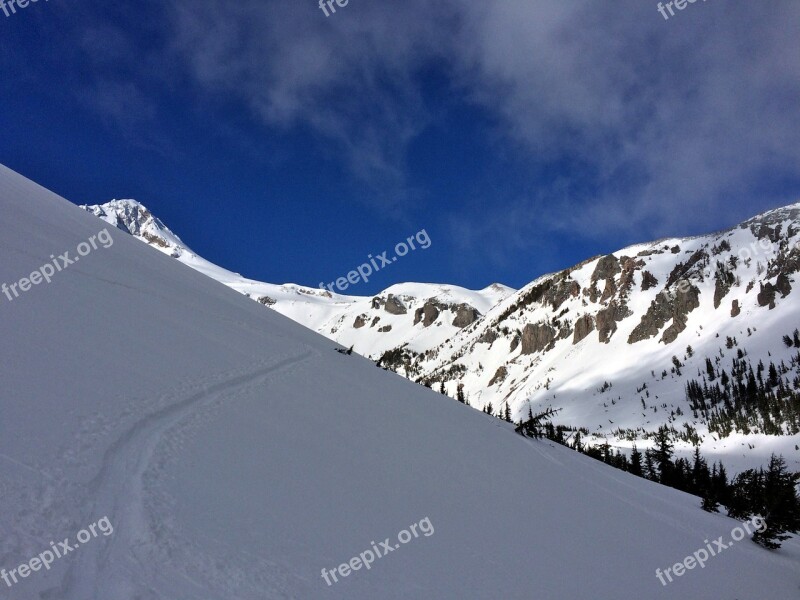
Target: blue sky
[(523, 136)]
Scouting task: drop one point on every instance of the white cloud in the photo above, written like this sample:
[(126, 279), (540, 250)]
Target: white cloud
[(673, 121)]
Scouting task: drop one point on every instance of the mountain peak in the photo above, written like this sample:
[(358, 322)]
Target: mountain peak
[(132, 217)]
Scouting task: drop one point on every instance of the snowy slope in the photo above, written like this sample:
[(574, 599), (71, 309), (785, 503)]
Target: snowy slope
[(237, 455), (589, 341), (334, 315), (597, 341)]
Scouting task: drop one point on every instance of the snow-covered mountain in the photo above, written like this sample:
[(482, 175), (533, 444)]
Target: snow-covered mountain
[(373, 325), (612, 342), (233, 454)]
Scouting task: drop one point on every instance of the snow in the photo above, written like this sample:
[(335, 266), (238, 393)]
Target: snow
[(237, 455), (569, 377)]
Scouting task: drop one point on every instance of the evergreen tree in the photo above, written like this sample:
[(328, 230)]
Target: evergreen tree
[(533, 426), (709, 503), (577, 444), (636, 462), (710, 369), (781, 505), (662, 455), (606, 454), (719, 484), (701, 478), (649, 468)]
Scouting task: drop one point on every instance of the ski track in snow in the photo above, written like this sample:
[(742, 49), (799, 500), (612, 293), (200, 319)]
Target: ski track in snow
[(107, 567)]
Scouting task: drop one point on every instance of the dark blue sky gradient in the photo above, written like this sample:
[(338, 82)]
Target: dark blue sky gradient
[(97, 103)]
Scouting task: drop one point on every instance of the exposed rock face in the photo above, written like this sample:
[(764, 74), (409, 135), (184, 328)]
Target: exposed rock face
[(385, 329), (677, 306), (765, 231), (374, 321), (427, 314), (685, 302), (735, 309), (499, 376), (465, 315), (610, 291), (553, 290), (394, 306), (536, 338), (583, 327), (786, 262), (607, 267), (783, 285), (629, 267), (694, 266), (489, 336), (266, 300), (359, 322), (154, 239), (724, 281), (648, 281), (608, 318), (766, 297), (515, 342), (562, 290), (377, 302)]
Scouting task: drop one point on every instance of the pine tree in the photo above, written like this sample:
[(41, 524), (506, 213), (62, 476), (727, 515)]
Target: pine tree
[(710, 369), (781, 505), (719, 484), (662, 455), (709, 504), (460, 397), (636, 462), (701, 478), (649, 468), (577, 444)]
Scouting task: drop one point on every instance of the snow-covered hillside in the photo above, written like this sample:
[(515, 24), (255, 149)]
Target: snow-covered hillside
[(614, 341), (372, 324), (599, 341), (237, 456)]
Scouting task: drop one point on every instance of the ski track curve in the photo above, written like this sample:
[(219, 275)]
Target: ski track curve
[(117, 491)]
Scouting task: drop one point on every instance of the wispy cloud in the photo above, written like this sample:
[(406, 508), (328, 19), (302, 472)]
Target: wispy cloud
[(662, 122)]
